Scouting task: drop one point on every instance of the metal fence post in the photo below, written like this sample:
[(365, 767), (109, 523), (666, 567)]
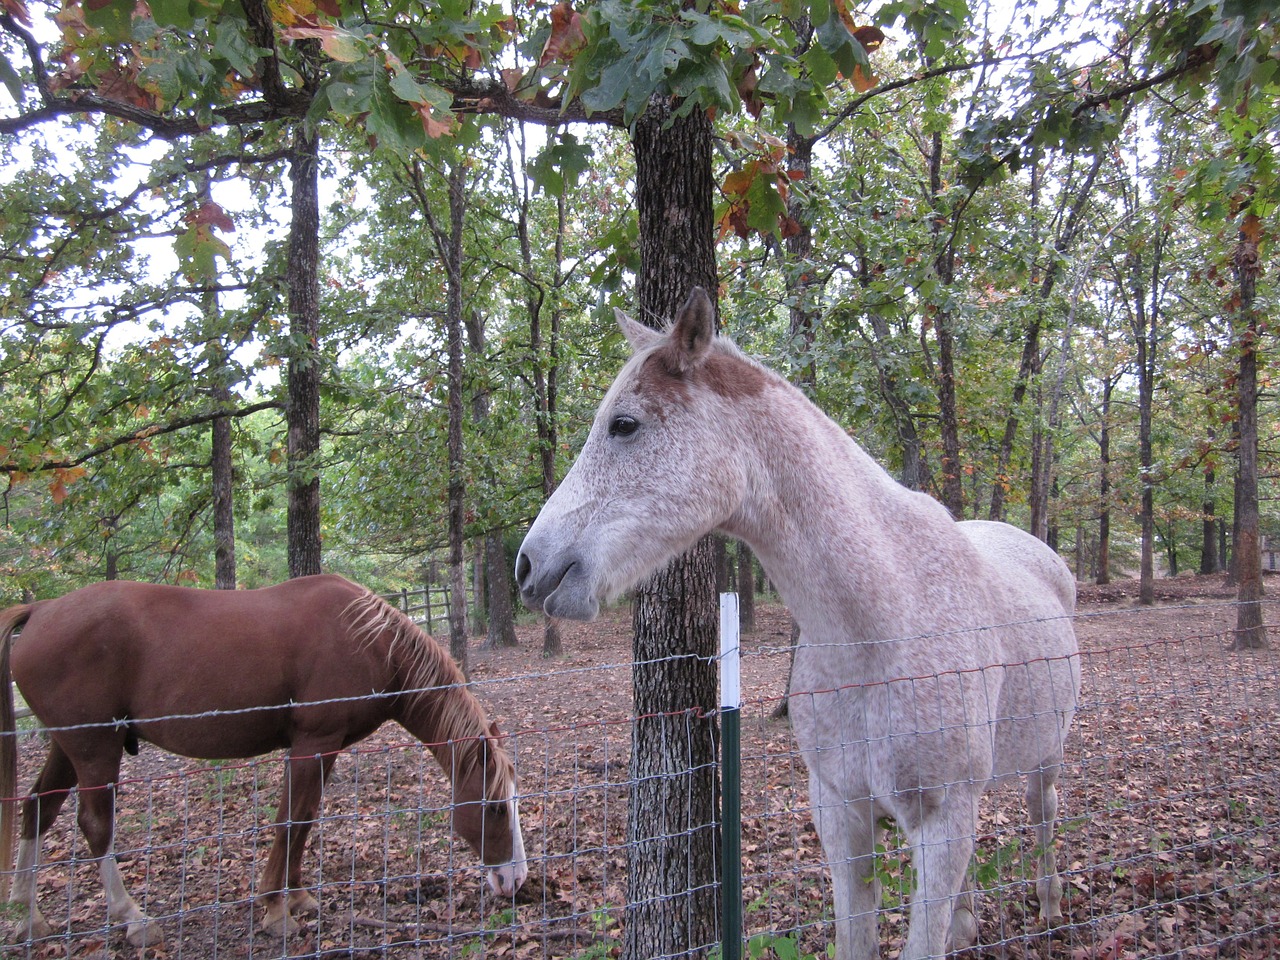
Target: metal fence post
[(730, 780)]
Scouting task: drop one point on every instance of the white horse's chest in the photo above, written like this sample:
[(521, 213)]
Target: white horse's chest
[(884, 729)]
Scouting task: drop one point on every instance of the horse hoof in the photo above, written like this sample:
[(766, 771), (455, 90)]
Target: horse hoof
[(303, 904), (36, 929), (964, 930), (144, 933), (282, 925)]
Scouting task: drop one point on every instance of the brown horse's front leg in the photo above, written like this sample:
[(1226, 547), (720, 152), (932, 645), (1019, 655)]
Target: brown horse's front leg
[(282, 880)]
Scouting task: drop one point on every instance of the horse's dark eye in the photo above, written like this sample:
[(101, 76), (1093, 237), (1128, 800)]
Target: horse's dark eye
[(623, 426)]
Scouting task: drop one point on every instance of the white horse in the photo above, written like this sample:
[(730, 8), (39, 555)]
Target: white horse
[(936, 658)]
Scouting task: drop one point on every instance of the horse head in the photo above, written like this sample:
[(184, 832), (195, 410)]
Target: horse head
[(662, 466), (486, 814)]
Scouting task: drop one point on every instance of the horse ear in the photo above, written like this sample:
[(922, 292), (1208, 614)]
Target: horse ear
[(694, 329), (637, 334)]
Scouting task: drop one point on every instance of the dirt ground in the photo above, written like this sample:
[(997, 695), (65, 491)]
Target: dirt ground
[(1170, 808)]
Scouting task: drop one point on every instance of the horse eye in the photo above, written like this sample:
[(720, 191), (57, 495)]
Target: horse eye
[(497, 808), (623, 426)]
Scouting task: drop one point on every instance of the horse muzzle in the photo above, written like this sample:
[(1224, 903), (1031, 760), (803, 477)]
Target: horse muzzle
[(561, 587), (508, 878)]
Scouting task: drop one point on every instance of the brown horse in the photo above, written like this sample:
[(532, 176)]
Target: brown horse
[(312, 665)]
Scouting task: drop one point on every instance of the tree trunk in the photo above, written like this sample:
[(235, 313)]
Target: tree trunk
[(802, 284), (1104, 486), (1251, 632), (495, 615), (944, 260), (746, 590), (1029, 364), (303, 404), (1209, 559), (1145, 325), (224, 517), (501, 631), (672, 850), (221, 467), (545, 368), (456, 487), (479, 587)]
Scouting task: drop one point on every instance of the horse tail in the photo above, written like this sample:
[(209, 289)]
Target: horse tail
[(10, 620)]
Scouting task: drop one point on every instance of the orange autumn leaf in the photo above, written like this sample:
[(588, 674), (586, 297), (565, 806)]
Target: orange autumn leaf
[(213, 215), (739, 182), (870, 37), (1251, 228), (434, 126), (61, 477), (18, 10), (862, 80), (566, 37)]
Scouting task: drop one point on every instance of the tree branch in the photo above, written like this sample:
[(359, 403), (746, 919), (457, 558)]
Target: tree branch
[(491, 96), (141, 433)]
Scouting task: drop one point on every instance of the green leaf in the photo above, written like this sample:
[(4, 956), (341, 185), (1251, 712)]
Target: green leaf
[(198, 250), (705, 82), (396, 125), (172, 13), (560, 165), (350, 92), (821, 67), (404, 86), (12, 82), (231, 42), (614, 85), (765, 205), (114, 18)]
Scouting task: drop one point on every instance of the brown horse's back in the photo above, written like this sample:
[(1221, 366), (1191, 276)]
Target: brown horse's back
[(123, 651)]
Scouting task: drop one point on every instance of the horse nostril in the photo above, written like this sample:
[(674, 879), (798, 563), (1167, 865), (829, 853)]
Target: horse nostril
[(523, 569)]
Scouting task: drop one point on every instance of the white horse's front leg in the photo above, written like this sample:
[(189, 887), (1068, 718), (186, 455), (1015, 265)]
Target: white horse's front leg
[(848, 834), (24, 890), (140, 930), (941, 849)]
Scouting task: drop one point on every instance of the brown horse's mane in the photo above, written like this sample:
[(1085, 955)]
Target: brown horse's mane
[(436, 690)]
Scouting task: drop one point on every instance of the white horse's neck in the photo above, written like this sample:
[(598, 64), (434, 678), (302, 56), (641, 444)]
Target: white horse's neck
[(817, 508)]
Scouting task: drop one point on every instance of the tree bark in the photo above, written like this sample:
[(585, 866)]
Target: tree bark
[(224, 517), (545, 367), (303, 405), (1209, 558), (1103, 575), (672, 851), (456, 487), (1251, 632), (802, 284), (221, 464), (1029, 364), (501, 629), (495, 614), (746, 590), (944, 260)]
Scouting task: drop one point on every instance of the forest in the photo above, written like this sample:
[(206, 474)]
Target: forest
[(305, 284)]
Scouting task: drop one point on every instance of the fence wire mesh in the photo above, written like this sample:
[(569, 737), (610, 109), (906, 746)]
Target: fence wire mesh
[(1168, 845)]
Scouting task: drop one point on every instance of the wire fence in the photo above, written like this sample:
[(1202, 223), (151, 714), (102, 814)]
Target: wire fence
[(1169, 845)]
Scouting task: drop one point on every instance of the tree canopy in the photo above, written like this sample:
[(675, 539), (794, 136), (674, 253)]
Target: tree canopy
[(1022, 254)]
